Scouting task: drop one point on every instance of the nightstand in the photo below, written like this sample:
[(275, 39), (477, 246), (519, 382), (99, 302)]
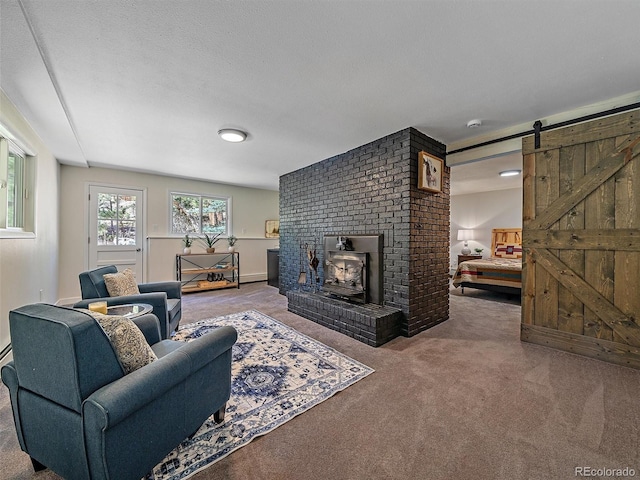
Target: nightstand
[(464, 258)]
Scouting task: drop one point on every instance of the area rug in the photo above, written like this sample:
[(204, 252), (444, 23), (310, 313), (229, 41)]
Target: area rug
[(277, 373)]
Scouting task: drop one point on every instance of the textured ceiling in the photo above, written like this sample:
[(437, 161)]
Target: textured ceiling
[(484, 175), (146, 85)]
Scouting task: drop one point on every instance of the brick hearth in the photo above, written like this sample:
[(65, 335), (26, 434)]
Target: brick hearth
[(370, 323)]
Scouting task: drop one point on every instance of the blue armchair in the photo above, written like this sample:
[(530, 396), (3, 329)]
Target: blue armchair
[(164, 297), (75, 410)]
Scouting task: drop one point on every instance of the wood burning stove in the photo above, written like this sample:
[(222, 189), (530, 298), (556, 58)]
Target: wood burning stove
[(345, 275), (353, 267)]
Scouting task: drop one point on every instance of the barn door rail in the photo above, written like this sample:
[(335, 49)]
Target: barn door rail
[(539, 128)]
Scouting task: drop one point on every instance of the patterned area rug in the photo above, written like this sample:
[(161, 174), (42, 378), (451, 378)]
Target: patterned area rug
[(277, 373)]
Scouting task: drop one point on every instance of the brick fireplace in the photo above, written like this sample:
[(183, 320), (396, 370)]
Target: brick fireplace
[(370, 190)]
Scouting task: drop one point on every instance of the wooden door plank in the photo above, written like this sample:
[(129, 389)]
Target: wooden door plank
[(601, 349), (627, 264), (547, 189), (621, 323), (608, 167), (627, 239), (599, 261), (601, 129), (529, 189), (528, 214), (570, 309), (527, 312)]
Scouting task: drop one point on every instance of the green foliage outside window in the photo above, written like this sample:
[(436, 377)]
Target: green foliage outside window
[(116, 219), (198, 214)]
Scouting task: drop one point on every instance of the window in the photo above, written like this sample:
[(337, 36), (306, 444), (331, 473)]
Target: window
[(192, 213), (15, 180), (116, 219)]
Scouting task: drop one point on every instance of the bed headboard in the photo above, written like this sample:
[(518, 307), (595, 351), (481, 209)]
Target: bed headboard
[(511, 236)]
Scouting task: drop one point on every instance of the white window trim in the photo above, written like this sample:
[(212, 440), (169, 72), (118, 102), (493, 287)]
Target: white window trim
[(29, 155)]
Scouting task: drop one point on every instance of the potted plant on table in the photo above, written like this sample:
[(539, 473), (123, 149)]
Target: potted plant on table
[(187, 242), (232, 239), (209, 241)]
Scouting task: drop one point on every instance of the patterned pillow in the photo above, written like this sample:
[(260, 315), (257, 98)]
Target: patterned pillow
[(127, 339), (121, 283), (506, 250)]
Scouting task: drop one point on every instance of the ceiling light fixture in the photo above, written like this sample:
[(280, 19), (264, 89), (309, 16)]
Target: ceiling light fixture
[(232, 135), (474, 123), (510, 173)]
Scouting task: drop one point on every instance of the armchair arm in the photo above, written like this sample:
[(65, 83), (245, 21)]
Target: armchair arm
[(113, 403), (149, 326), (10, 379), (172, 289), (217, 342)]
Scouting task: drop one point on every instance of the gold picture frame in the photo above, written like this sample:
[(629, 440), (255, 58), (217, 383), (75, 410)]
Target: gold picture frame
[(272, 229), (430, 170)]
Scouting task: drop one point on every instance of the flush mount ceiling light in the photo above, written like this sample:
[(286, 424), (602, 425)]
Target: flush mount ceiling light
[(510, 173), (474, 123), (232, 135)]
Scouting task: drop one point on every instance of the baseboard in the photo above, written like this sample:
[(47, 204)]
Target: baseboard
[(606, 350), (253, 277)]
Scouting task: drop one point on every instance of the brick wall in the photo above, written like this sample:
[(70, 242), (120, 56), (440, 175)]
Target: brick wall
[(373, 190), (429, 246)]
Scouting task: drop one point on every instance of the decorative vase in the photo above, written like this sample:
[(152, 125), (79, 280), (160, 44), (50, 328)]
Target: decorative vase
[(186, 251), (211, 250), (232, 249)]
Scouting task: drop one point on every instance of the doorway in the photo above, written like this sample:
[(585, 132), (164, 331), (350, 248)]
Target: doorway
[(116, 228)]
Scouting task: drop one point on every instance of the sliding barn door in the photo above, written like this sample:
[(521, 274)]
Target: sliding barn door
[(581, 239)]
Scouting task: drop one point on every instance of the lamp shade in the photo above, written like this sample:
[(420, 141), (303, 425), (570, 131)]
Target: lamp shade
[(465, 235)]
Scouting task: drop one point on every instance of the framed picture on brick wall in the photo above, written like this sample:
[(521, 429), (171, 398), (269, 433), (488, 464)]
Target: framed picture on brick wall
[(429, 172)]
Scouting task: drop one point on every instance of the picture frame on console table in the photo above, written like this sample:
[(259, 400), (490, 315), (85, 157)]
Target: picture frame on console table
[(430, 172)]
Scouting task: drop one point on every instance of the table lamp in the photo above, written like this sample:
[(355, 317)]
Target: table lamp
[(465, 235)]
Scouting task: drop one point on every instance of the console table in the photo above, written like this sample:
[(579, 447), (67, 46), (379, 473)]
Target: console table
[(208, 271)]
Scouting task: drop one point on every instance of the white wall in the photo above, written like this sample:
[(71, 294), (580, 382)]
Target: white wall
[(29, 266), (250, 209), (483, 212)]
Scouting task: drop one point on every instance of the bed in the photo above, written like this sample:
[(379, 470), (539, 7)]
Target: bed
[(502, 272)]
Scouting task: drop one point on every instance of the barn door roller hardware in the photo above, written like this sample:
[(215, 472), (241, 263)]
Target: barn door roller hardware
[(538, 128)]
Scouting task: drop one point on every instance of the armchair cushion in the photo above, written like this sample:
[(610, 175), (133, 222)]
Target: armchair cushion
[(121, 283), (128, 341)]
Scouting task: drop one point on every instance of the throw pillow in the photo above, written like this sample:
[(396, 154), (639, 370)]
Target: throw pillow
[(127, 339), (121, 283), (505, 250)]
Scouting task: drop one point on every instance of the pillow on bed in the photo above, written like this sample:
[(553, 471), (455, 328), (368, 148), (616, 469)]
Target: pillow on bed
[(508, 250)]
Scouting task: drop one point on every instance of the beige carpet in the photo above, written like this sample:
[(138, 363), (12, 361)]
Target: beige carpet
[(463, 400)]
